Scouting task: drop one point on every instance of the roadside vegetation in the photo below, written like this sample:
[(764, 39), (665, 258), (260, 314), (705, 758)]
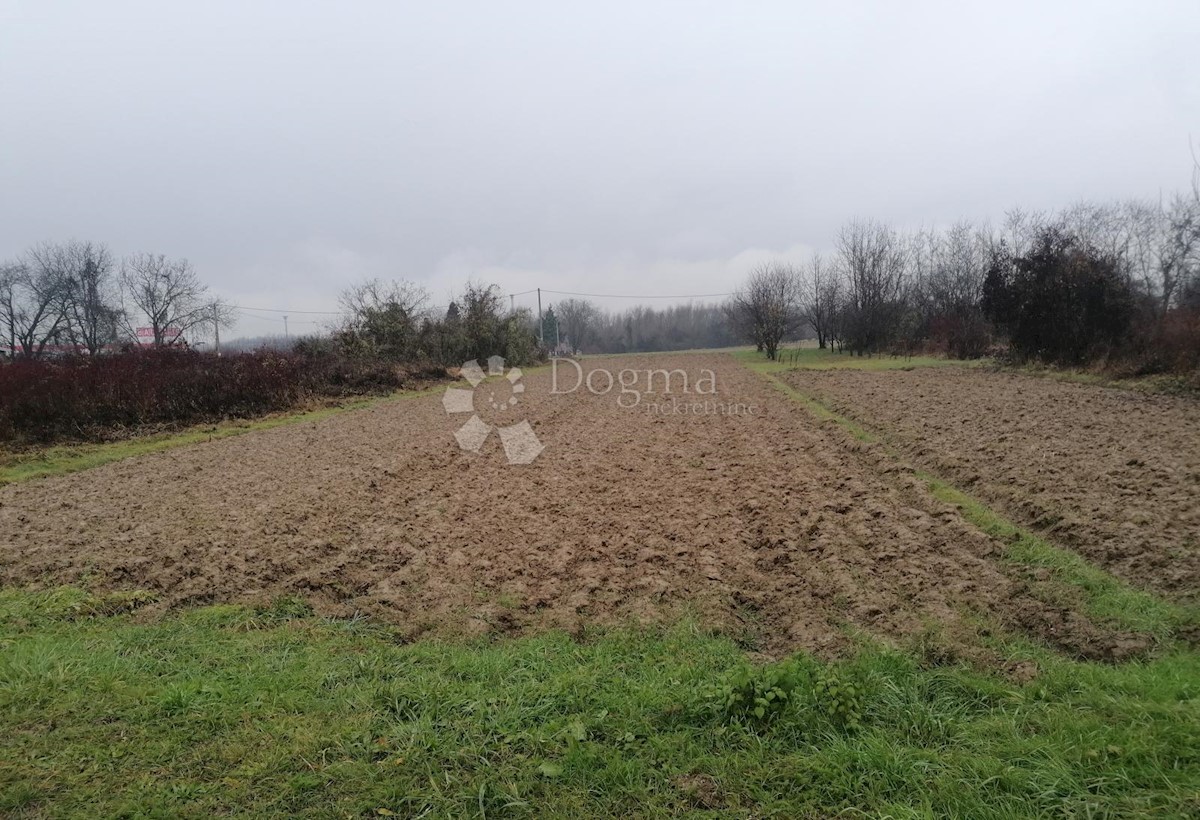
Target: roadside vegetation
[(234, 710), (54, 388), (1112, 289), (111, 397)]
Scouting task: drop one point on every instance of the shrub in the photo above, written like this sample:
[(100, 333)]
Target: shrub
[(961, 335), (1167, 345), (1062, 301)]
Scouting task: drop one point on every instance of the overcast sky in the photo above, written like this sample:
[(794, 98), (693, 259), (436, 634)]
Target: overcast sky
[(290, 148)]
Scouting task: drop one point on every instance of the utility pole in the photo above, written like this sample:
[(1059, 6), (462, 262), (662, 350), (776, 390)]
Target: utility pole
[(541, 327), (512, 303), (285, 330), (216, 329)]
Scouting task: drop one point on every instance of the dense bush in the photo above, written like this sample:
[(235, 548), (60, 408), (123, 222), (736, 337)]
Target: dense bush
[(1062, 301), (964, 334), (391, 320), (92, 398), (1169, 345)]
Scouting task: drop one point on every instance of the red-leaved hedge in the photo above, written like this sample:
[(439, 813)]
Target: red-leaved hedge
[(95, 398)]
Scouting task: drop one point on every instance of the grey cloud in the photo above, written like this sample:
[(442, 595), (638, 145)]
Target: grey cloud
[(289, 148)]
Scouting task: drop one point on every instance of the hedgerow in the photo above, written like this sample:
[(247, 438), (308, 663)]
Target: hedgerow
[(100, 397)]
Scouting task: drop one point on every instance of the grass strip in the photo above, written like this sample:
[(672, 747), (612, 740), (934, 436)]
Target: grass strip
[(227, 710), (1107, 599), (812, 358), (71, 458)]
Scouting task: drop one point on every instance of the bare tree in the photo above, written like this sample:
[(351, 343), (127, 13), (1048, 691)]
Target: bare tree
[(378, 294), (959, 267), (839, 311), (90, 300), (10, 273), (170, 295), (922, 249), (823, 293), (1104, 227), (1164, 243), (769, 306), (578, 318), (32, 293), (954, 289), (874, 260), (739, 316), (1020, 228)]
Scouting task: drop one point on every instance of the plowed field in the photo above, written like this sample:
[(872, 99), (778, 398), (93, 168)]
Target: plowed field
[(1113, 474), (744, 512)]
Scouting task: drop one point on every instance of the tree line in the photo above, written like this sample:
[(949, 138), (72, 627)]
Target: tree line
[(582, 326), (75, 297), (1092, 282), (394, 319), (1116, 281)]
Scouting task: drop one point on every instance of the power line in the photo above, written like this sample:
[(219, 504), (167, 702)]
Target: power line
[(246, 315), (509, 295), (287, 310), (631, 296)]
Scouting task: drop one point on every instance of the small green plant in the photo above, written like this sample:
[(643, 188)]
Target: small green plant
[(840, 699), (751, 695)]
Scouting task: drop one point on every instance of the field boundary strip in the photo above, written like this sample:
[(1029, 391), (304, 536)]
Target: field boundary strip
[(1107, 599), (63, 459), (72, 458)]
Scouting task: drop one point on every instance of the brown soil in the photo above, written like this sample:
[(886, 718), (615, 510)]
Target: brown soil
[(766, 525), (1113, 474)]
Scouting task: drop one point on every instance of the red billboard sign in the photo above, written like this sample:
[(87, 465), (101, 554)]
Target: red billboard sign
[(168, 333)]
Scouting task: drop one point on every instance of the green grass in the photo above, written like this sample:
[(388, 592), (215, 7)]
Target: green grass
[(1106, 599), (227, 710), (690, 351), (1182, 385), (819, 410), (812, 358), (71, 458)]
